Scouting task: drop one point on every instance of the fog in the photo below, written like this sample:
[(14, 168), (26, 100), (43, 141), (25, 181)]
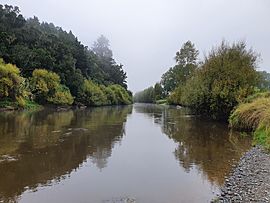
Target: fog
[(145, 34)]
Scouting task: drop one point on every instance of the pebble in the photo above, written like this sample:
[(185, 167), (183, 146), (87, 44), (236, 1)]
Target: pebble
[(249, 181)]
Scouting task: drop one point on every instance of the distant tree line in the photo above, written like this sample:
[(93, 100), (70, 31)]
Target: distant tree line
[(214, 86), (67, 70), (150, 95)]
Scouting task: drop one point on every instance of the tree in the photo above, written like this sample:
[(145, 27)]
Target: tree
[(158, 91), (114, 72), (264, 80), (102, 48), (29, 45), (169, 81), (186, 63), (145, 96), (187, 55), (219, 85)]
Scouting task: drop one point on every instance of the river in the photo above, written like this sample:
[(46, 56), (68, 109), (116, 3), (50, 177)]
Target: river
[(150, 153)]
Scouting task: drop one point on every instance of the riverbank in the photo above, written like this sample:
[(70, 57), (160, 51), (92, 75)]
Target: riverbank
[(8, 105), (250, 180)]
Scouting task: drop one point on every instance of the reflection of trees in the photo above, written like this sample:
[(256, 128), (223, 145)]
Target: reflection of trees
[(50, 145), (20, 131), (205, 145)]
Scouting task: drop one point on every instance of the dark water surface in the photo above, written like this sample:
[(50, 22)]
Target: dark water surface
[(149, 153)]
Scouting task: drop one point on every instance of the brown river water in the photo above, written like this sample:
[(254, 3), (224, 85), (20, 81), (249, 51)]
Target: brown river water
[(147, 153)]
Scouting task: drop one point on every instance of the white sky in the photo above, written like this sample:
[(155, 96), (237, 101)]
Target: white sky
[(145, 34)]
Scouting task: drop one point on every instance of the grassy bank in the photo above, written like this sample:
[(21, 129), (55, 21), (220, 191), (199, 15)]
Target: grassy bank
[(254, 115), (6, 105), (162, 102)]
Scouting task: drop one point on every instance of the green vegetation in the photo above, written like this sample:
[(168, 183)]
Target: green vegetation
[(254, 115), (219, 84), (214, 86), (150, 95), (186, 63), (145, 96), (53, 66), (162, 101), (224, 85), (14, 92), (121, 95), (8, 104), (265, 80), (94, 95), (46, 88)]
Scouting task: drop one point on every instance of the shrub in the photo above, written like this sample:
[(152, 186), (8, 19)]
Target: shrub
[(175, 96), (9, 80), (44, 84), (91, 94), (62, 96), (46, 87), (219, 84), (110, 95), (121, 94), (12, 85)]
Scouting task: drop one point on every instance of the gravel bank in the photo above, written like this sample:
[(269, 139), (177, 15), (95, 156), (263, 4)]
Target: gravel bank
[(250, 180)]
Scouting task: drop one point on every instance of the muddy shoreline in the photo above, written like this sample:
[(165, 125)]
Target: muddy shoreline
[(250, 179)]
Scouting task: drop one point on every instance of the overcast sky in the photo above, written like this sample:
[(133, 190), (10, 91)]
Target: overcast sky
[(145, 34)]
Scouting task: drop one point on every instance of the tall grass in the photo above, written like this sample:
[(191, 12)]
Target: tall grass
[(254, 115)]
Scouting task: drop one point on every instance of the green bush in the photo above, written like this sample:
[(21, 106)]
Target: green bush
[(110, 95), (9, 80), (219, 84), (13, 87), (62, 96), (176, 96), (46, 88), (91, 94), (121, 94)]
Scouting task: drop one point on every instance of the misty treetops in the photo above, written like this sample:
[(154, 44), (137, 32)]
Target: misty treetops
[(85, 73)]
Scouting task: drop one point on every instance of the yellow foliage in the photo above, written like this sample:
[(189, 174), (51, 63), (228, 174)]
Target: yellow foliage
[(10, 81), (21, 101), (47, 88), (61, 96), (44, 80)]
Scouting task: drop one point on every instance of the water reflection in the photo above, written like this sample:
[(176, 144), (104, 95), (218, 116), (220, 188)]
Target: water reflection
[(40, 147), (154, 154), (208, 146)]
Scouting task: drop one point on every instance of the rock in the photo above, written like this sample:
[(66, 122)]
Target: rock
[(249, 181)]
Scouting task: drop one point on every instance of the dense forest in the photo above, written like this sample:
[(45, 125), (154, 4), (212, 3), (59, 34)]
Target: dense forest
[(50, 65)]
